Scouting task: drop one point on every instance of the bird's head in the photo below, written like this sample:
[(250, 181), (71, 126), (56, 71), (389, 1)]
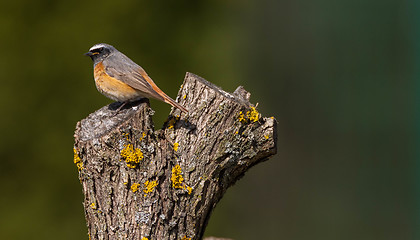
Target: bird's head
[(100, 51)]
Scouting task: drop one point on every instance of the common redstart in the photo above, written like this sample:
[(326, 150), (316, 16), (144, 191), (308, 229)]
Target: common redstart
[(120, 79)]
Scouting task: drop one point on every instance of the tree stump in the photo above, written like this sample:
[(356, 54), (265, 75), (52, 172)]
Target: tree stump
[(141, 183)]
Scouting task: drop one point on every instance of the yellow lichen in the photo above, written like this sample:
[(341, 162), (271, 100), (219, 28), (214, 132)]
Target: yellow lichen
[(186, 238), (131, 156), (93, 206), (241, 117), (142, 136), (126, 135), (253, 115), (149, 186), (185, 96), (189, 189), (266, 136), (135, 187), (177, 178), (144, 238), (176, 145), (172, 122), (77, 160)]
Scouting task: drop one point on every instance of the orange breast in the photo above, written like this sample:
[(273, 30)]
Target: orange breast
[(112, 87)]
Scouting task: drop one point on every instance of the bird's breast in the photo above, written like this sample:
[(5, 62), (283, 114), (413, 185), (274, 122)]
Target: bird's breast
[(112, 87)]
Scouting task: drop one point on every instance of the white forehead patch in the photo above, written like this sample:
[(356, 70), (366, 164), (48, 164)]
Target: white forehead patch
[(96, 46)]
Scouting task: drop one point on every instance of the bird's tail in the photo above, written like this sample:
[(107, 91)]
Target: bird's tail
[(169, 100), (159, 94)]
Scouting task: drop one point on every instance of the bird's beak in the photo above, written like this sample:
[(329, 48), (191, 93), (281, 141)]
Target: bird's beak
[(88, 54)]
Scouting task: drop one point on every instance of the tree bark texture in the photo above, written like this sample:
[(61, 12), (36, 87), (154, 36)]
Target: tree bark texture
[(141, 183)]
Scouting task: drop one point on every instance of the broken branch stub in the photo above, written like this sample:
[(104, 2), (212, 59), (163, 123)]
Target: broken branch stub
[(163, 184)]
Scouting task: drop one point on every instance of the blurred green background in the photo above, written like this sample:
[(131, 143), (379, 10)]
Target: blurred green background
[(339, 76)]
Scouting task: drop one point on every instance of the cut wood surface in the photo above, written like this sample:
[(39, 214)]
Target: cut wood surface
[(142, 183)]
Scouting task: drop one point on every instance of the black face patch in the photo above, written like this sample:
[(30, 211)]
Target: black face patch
[(99, 53)]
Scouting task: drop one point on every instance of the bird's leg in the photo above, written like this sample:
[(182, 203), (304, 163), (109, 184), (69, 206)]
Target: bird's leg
[(121, 106)]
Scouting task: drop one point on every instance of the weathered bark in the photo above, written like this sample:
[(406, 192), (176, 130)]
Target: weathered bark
[(141, 183)]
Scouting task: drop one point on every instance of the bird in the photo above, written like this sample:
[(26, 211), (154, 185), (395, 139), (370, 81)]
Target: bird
[(121, 79)]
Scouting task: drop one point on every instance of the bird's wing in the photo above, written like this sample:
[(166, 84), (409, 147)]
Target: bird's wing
[(127, 71), (124, 69)]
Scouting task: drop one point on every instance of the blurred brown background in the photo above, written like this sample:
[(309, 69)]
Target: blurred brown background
[(339, 76)]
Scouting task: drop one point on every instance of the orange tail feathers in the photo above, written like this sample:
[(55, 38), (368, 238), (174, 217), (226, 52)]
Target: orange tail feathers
[(159, 94), (175, 104)]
